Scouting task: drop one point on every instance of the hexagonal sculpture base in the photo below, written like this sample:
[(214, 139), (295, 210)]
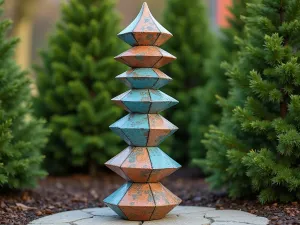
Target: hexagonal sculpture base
[(142, 201)]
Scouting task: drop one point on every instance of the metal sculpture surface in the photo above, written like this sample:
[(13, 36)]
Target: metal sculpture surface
[(143, 164)]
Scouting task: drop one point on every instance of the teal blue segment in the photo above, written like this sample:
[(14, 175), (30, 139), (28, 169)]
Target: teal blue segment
[(128, 38), (138, 107), (160, 101), (137, 101), (117, 196), (136, 129), (143, 72), (116, 128), (114, 199), (161, 160), (129, 29), (160, 83), (117, 210), (140, 83), (141, 78)]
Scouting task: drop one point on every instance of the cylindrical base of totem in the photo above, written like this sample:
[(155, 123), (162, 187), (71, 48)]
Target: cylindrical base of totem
[(143, 164)]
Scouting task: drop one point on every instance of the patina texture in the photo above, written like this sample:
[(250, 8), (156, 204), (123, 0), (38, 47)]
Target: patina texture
[(143, 164)]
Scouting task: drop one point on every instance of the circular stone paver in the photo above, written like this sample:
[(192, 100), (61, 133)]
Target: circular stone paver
[(181, 215)]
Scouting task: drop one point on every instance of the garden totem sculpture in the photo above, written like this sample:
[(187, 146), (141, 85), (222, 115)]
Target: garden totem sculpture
[(143, 164)]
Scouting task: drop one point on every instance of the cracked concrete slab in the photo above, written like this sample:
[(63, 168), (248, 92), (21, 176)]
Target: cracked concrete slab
[(181, 215)]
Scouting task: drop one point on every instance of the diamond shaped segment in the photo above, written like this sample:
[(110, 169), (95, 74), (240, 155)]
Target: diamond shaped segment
[(143, 129), (113, 200), (144, 101), (143, 78), (138, 164), (142, 201), (145, 57), (145, 30), (164, 200)]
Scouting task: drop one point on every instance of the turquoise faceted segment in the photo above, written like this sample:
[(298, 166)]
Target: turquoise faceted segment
[(137, 101), (160, 160), (144, 78), (160, 101), (114, 199), (133, 128), (144, 101), (116, 128)]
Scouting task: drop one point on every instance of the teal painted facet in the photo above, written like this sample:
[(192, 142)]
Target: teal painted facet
[(128, 38), (117, 196), (160, 160), (114, 199), (137, 129), (137, 101), (121, 96), (129, 29), (117, 210), (143, 78), (116, 128), (141, 82), (160, 101), (160, 83), (133, 128)]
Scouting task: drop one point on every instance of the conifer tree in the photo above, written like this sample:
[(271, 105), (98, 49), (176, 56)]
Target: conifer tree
[(76, 83), (255, 149), (192, 45), (21, 135), (206, 111)]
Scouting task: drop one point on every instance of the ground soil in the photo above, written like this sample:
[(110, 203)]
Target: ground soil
[(57, 194)]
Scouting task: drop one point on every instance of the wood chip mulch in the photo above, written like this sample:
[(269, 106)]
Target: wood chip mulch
[(57, 194)]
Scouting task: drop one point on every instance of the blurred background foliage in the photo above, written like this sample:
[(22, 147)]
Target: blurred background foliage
[(35, 20)]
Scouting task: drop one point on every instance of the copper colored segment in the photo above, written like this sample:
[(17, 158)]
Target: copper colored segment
[(138, 203), (165, 201), (145, 56), (163, 37), (138, 166), (162, 196), (146, 32), (148, 39), (161, 211), (158, 174), (161, 74), (118, 171), (115, 163), (158, 129)]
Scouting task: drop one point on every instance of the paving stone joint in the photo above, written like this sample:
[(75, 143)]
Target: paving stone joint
[(182, 215)]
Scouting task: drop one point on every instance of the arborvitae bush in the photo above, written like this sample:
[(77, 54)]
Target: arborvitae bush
[(76, 83), (206, 110), (21, 135), (192, 44), (256, 147)]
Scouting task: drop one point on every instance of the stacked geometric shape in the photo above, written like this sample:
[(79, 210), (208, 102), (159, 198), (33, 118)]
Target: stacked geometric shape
[(143, 164)]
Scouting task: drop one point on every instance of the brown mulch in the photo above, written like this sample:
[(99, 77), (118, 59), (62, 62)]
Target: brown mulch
[(57, 194)]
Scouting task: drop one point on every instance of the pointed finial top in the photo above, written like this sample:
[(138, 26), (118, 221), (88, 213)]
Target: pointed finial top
[(145, 30)]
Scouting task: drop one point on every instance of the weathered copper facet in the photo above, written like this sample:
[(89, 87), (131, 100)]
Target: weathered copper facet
[(143, 164)]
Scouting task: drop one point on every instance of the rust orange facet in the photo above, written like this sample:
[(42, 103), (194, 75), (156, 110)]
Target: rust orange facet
[(143, 164)]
